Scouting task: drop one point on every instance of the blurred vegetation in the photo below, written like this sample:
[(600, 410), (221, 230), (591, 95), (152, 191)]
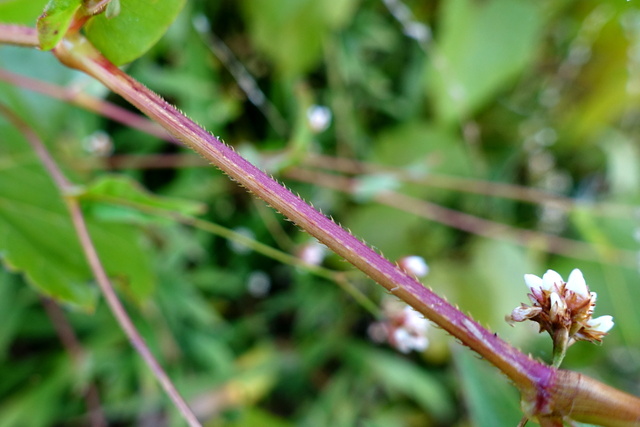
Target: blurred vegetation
[(443, 101)]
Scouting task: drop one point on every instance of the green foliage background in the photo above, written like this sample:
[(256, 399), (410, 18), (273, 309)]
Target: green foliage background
[(539, 94)]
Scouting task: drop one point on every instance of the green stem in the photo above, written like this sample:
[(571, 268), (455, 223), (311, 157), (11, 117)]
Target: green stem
[(560, 344)]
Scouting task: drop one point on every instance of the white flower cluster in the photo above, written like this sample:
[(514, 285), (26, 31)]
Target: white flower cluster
[(563, 306), (403, 328)]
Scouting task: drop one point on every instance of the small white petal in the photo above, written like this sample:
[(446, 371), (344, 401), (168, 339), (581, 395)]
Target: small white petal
[(550, 278), (420, 343), (533, 281), (601, 324), (577, 284), (402, 340), (414, 321), (594, 298)]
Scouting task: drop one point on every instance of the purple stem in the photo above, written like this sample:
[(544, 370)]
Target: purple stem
[(547, 394), (522, 370)]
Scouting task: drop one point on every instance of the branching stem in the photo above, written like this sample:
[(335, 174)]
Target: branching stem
[(109, 293), (525, 372)]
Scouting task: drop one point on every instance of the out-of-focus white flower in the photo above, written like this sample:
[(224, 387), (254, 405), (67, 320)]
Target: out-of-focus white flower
[(312, 253), (559, 305), (319, 118), (99, 144), (259, 284), (405, 341), (415, 265), (403, 328)]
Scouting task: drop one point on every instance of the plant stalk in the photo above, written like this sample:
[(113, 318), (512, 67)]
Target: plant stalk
[(548, 394), (526, 373)]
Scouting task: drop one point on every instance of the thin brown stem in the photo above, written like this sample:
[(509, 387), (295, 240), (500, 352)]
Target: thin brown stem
[(91, 254), (470, 185), (469, 223), (88, 102)]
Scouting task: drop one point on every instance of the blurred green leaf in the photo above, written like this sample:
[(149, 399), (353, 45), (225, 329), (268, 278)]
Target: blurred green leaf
[(119, 198), (21, 11), (481, 48), (332, 407), (396, 374), (55, 21), (37, 237), (423, 148), (498, 269), (490, 399), (36, 234), (290, 32), (131, 33), (43, 393), (623, 160), (253, 416)]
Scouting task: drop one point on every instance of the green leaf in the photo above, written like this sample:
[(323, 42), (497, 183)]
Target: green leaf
[(119, 198), (483, 46), (290, 32), (55, 21), (399, 375), (20, 11), (37, 237), (134, 30), (424, 148), (490, 399), (36, 234)]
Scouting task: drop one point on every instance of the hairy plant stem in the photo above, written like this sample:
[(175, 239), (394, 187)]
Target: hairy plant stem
[(93, 259), (548, 394), (544, 396), (525, 372)]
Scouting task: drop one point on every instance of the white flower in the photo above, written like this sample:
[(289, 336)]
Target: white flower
[(403, 327), (415, 321), (312, 253), (405, 341), (563, 306)]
